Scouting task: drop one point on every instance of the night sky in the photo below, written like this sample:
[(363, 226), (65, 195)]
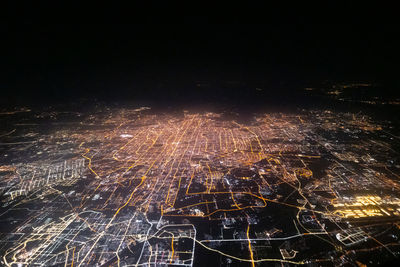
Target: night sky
[(165, 63)]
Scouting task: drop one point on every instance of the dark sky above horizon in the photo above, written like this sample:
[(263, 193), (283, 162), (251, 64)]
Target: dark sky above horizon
[(57, 61)]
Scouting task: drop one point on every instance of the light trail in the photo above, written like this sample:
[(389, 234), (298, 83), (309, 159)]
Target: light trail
[(250, 249)]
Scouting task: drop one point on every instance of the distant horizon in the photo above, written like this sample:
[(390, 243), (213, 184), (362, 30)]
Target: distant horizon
[(59, 60)]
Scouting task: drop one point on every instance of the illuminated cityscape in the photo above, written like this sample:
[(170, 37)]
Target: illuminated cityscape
[(133, 187), (199, 142)]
